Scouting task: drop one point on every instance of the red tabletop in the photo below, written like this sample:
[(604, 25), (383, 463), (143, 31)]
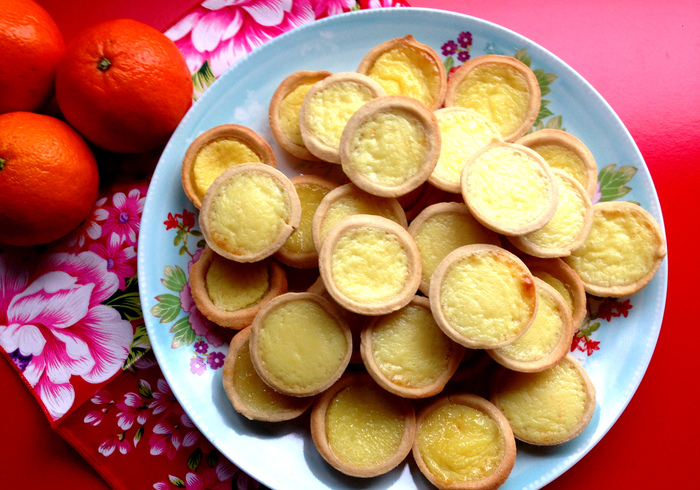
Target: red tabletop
[(644, 59)]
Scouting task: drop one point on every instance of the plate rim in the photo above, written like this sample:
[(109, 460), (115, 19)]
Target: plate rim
[(150, 208)]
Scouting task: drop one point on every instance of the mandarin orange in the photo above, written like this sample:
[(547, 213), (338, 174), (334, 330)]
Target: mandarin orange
[(48, 179), (30, 47), (124, 86)]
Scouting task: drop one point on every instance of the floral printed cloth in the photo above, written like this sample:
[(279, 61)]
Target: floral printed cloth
[(70, 318)]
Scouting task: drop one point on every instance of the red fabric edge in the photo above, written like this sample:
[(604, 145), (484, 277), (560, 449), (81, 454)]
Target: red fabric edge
[(107, 475), (52, 422)]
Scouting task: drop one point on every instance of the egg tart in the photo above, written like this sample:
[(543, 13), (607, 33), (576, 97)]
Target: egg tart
[(403, 66), (502, 88), (370, 265), (217, 149), (230, 293), (464, 442), (547, 340), (349, 200), (568, 227), (390, 146), (509, 189), (565, 152), (249, 212), (622, 252), (285, 107), (355, 321), (483, 297), (327, 107), (545, 408), (406, 352), (463, 132), (441, 228), (299, 250), (300, 344), (564, 279), (249, 394), (361, 429)]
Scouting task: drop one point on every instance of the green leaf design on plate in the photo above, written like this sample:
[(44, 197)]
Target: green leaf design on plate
[(449, 63), (521, 55), (175, 278), (202, 79), (167, 309), (613, 179), (184, 335)]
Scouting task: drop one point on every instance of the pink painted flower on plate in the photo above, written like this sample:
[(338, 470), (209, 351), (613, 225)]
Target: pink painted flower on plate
[(124, 218), (223, 31), (53, 317), (121, 261), (165, 440), (199, 323)]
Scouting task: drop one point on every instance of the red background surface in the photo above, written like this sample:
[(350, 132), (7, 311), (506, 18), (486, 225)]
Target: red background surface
[(643, 57)]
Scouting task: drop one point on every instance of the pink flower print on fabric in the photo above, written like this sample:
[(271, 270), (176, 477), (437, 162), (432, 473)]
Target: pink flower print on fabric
[(90, 229), (192, 437), (208, 480), (114, 443), (223, 31), (56, 322), (124, 218), (121, 261), (375, 4), (328, 8), (102, 397), (164, 400), (165, 440), (133, 409)]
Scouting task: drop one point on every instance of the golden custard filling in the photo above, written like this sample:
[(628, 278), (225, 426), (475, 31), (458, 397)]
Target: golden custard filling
[(301, 241), (363, 426), (560, 286), (484, 298), (389, 148), (460, 444), (620, 249), (463, 133), (565, 160), (248, 213), (409, 348), (542, 337), (289, 111), (369, 265), (253, 391), (549, 404), (330, 109), (215, 157), (233, 286), (497, 91), (568, 221), (407, 71), (442, 233), (509, 186), (301, 345), (354, 204)]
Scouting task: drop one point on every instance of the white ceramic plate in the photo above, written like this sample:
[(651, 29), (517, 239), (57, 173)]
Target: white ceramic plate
[(283, 455)]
